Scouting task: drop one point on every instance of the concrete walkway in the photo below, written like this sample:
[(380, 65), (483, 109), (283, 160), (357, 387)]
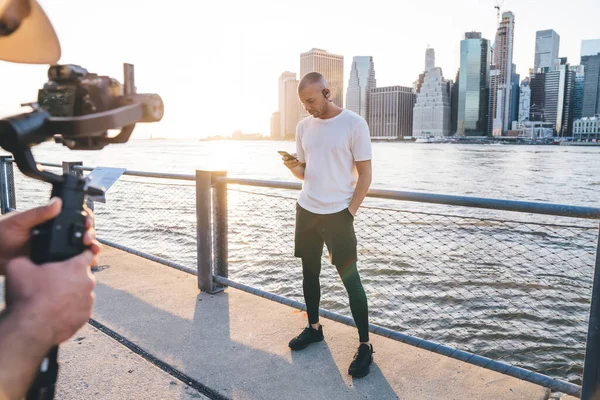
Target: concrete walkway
[(95, 366), (236, 344)]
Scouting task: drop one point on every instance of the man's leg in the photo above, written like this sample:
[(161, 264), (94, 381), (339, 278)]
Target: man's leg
[(358, 299), (308, 245), (311, 269), (341, 242)]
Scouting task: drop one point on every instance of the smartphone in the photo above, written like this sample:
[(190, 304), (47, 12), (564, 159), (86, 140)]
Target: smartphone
[(287, 155)]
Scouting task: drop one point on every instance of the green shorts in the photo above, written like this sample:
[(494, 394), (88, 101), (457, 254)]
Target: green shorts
[(335, 230)]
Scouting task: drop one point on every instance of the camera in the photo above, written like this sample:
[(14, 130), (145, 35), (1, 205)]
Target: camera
[(72, 91)]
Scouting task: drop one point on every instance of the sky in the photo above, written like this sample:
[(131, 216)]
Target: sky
[(216, 64)]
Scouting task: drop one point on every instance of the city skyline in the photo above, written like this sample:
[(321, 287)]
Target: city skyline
[(505, 107), (230, 79)]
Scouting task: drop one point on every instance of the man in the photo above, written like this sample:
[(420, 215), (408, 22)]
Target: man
[(45, 305), (333, 147)]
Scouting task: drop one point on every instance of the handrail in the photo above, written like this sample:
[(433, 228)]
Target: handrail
[(562, 210)]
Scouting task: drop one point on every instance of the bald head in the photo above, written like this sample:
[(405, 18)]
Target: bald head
[(312, 78), (314, 95)]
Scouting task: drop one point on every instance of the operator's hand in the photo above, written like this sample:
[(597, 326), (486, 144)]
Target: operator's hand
[(15, 230), (57, 298), (293, 163)]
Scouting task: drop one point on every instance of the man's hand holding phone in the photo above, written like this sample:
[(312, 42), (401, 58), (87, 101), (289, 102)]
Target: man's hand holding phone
[(289, 160)]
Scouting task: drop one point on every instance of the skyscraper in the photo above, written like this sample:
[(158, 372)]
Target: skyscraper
[(275, 125), (362, 79), (493, 99), (578, 96), (429, 59), (590, 47), (391, 112), (591, 89), (331, 66), (546, 49), (289, 104), (569, 101), (537, 84), (431, 114), (454, 104), (515, 92), (473, 85), (553, 93), (558, 101), (524, 100), (501, 90)]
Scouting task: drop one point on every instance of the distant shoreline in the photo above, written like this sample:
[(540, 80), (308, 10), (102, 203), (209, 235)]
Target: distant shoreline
[(411, 141)]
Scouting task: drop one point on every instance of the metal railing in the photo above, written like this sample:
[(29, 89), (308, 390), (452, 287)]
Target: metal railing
[(497, 283)]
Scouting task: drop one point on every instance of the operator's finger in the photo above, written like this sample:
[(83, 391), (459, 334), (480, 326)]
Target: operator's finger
[(89, 236), (90, 219), (38, 215), (84, 259), (95, 247)]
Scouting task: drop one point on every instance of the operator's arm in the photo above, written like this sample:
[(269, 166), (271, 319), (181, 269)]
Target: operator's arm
[(45, 305), (24, 341), (16, 226)]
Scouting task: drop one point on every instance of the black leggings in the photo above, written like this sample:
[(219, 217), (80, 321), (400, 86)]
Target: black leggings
[(311, 269)]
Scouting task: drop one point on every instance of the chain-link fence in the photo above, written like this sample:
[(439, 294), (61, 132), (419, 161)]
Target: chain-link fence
[(155, 216), (31, 192), (152, 215), (514, 288)]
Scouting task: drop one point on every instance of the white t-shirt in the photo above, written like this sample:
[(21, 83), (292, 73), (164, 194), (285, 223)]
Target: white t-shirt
[(329, 147)]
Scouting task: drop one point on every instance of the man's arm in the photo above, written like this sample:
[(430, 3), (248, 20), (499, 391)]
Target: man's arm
[(365, 175), (296, 167), (299, 165)]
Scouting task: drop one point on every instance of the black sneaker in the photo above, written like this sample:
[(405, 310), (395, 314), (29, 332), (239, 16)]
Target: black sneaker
[(362, 360), (309, 335)]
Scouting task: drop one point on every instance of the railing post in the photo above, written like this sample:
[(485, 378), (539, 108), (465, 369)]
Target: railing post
[(68, 168), (591, 370), (220, 225), (204, 236), (7, 185)]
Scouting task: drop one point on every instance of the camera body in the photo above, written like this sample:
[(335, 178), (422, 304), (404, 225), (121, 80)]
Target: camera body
[(72, 91)]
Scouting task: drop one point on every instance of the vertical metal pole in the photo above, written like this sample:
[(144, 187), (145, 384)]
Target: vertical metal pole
[(204, 235), (68, 168), (128, 79), (591, 370), (7, 185), (221, 236), (3, 185)]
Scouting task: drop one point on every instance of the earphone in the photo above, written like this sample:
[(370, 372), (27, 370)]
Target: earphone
[(326, 93)]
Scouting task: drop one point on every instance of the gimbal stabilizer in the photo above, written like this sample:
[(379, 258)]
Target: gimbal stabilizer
[(76, 108)]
